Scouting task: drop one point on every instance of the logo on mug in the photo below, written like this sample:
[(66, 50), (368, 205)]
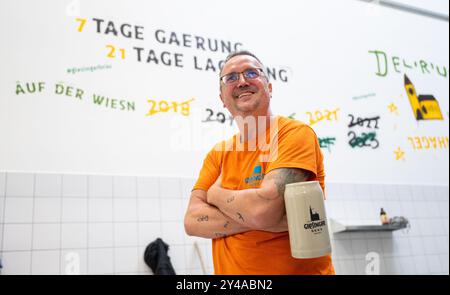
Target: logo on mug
[(314, 224)]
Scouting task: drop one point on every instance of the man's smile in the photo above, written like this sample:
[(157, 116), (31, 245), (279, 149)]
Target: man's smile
[(245, 94)]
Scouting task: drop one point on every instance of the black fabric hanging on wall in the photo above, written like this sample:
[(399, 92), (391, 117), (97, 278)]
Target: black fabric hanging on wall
[(155, 256)]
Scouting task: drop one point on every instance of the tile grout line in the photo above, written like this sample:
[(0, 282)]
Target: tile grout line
[(137, 224), (113, 227), (32, 223), (160, 208), (3, 222), (416, 268), (87, 222), (61, 191)]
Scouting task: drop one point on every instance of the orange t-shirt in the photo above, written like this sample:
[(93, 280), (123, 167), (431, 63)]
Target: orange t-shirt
[(261, 252)]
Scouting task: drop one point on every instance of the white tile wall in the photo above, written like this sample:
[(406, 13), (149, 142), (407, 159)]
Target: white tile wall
[(46, 236), (18, 210), (74, 235), (170, 187), (17, 237), (147, 187), (125, 209), (444, 262), (348, 266), (149, 210), (45, 262), (100, 235), (434, 264), (404, 246), (100, 186), (413, 251), (143, 268), (74, 262), (74, 210), (16, 263), (89, 224), (359, 249), (2, 184), (172, 210), (124, 187), (360, 266), (186, 187), (178, 258), (100, 210), (407, 265), (74, 186), (173, 233), (2, 212), (48, 185), (148, 232), (19, 185), (125, 234), (100, 261), (126, 260), (47, 210)]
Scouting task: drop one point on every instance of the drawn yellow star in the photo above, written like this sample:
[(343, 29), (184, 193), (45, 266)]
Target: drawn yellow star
[(399, 154), (393, 108)]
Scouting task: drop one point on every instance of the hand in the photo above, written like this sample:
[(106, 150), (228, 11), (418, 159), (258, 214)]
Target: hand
[(282, 226)]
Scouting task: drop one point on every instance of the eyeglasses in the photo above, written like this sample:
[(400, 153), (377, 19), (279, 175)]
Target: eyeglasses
[(248, 74)]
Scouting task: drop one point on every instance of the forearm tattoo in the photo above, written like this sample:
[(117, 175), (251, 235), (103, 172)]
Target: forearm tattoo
[(230, 199), (203, 218), (284, 176), (220, 235)]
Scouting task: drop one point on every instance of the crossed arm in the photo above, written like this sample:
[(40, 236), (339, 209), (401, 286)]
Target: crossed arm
[(221, 212)]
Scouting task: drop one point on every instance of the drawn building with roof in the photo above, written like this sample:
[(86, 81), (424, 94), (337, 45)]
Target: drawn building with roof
[(425, 107)]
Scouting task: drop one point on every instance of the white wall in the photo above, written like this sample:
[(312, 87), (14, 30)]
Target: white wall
[(325, 55)]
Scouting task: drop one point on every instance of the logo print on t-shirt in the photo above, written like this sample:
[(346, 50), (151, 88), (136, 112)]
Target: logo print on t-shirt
[(256, 177)]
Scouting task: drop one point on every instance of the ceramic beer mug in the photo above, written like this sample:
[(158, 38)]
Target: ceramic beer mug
[(307, 221)]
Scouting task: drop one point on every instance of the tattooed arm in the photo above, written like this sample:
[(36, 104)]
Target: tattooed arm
[(206, 221), (260, 208)]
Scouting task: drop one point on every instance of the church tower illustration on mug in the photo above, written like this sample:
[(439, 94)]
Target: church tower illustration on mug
[(425, 107)]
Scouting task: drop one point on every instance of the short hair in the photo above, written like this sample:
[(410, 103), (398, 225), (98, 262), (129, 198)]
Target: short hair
[(242, 52)]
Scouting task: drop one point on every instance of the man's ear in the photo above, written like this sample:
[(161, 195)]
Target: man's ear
[(270, 89)]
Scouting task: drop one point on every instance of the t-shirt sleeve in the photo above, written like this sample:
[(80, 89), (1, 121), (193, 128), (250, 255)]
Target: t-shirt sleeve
[(209, 172), (298, 148)]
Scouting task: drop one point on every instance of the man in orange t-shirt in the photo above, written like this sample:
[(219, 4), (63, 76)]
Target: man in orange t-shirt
[(238, 200)]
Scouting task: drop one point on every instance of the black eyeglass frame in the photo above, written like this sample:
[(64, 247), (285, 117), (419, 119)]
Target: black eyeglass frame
[(239, 74)]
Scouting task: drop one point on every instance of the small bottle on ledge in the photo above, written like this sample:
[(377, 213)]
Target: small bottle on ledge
[(384, 217)]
